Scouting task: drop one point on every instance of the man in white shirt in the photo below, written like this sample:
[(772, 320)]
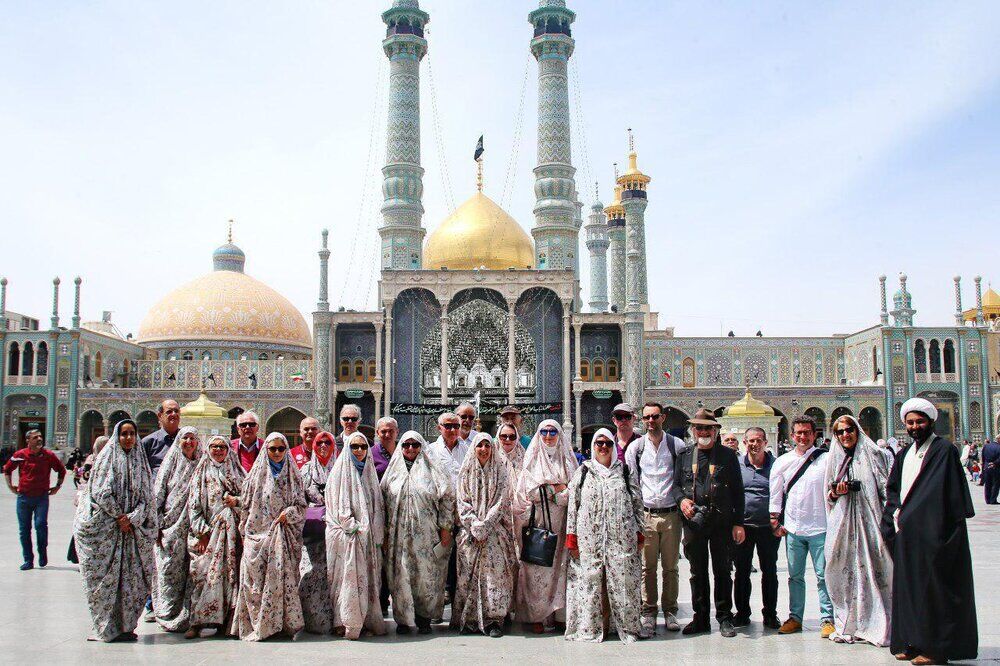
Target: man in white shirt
[(651, 463), (798, 513), (467, 415), (447, 452)]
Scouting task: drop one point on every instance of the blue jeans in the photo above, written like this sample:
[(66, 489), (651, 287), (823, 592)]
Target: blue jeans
[(797, 548), (37, 507)]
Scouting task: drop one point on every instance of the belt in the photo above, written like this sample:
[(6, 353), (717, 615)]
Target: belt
[(669, 509)]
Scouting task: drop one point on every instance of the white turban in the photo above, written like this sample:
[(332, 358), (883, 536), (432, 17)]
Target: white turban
[(918, 405)]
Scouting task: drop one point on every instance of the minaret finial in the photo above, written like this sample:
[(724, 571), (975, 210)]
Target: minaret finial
[(479, 174), (229, 238), (597, 190), (616, 171), (631, 140)]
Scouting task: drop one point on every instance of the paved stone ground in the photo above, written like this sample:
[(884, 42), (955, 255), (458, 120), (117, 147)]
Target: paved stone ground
[(43, 618)]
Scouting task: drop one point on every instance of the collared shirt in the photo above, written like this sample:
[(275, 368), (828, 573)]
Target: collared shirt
[(805, 509), (757, 490), (300, 455), (468, 440), (34, 471), (155, 445), (449, 460), (656, 469), (912, 463), (247, 454), (380, 457)]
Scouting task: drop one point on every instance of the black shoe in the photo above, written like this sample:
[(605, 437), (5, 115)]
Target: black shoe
[(403, 629), (695, 627), (424, 629), (772, 622), (726, 629), (741, 620), (495, 631), (26, 566), (43, 560)]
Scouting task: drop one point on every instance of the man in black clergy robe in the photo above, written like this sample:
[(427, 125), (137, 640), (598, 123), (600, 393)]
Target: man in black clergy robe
[(928, 502)]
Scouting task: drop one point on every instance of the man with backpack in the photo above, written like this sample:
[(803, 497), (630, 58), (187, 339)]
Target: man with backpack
[(798, 513), (651, 460)]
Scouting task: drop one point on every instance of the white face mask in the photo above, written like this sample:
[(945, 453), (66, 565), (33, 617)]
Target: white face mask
[(705, 442)]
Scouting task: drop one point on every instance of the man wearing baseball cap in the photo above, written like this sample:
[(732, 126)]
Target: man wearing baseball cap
[(624, 418)]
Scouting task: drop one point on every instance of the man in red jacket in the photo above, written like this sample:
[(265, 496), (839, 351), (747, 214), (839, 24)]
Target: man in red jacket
[(34, 466), (248, 445)]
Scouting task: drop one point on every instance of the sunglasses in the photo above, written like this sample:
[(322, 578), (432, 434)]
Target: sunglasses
[(218, 447), (467, 417), (623, 417), (604, 443), (359, 447), (277, 449), (251, 424), (549, 432), (844, 431), (507, 438), (324, 442), (411, 445), (350, 419), (483, 445), (450, 426), (650, 417)]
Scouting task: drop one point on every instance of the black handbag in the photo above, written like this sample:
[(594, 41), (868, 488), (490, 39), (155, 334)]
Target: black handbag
[(538, 545)]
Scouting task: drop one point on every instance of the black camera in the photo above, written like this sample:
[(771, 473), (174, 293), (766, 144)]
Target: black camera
[(700, 517), (853, 486)]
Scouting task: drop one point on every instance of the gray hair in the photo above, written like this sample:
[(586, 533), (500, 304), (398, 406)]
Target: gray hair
[(755, 429), (249, 414), (466, 403), (32, 432), (100, 442), (384, 421), (351, 406), (447, 415)]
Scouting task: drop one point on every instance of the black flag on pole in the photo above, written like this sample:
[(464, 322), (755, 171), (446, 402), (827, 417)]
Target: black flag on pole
[(479, 149)]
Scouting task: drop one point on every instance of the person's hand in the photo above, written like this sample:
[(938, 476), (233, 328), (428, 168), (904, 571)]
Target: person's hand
[(558, 487), (446, 537), (53, 491), (230, 501), (777, 528), (739, 534), (282, 518), (641, 539), (202, 544), (841, 488), (687, 508), (124, 524)]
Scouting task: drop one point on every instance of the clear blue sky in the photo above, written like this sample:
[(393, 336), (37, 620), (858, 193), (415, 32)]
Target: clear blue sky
[(797, 150)]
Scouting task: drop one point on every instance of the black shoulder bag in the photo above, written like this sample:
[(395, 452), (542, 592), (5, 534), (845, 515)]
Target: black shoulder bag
[(538, 545), (798, 475)]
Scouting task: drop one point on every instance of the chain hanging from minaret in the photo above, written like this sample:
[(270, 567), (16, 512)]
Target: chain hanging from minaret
[(402, 231), (633, 200), (556, 232)]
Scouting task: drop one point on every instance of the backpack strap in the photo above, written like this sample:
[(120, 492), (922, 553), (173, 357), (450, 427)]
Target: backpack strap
[(579, 489)]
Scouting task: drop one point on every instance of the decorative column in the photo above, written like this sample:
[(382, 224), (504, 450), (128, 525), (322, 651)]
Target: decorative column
[(402, 232), (980, 320), (387, 372), (511, 354), (910, 367), (444, 352), (986, 411), (323, 305), (556, 234), (567, 422), (321, 374), (597, 244), (634, 201), (55, 304), (902, 312), (963, 377), (885, 307), (378, 351), (3, 304), (616, 251), (959, 320), (576, 418), (887, 381), (76, 302), (576, 372)]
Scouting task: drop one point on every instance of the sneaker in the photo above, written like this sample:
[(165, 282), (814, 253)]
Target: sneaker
[(27, 566), (727, 629), (648, 627), (826, 629), (791, 626), (671, 623), (741, 621)]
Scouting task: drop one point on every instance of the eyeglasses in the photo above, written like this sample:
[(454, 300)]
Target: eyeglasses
[(171, 411), (507, 438), (277, 449), (467, 417), (845, 430), (650, 417), (623, 417), (248, 424), (219, 447), (603, 443), (359, 447), (483, 445), (549, 432), (411, 445), (324, 442), (350, 419), (450, 426)]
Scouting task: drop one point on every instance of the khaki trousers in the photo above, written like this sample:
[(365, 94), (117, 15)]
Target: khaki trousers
[(662, 547)]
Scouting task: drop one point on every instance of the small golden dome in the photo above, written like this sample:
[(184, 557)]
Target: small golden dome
[(749, 406), (479, 234), (991, 307), (203, 408), (615, 209), (632, 176)]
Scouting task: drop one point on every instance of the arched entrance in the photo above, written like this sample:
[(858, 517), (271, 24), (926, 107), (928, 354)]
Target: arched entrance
[(26, 412), (286, 421), (781, 445), (819, 416), (147, 422), (91, 427), (116, 417), (949, 422), (675, 422), (871, 422)]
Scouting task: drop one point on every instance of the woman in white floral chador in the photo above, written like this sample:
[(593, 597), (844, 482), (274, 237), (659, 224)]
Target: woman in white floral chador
[(314, 588)]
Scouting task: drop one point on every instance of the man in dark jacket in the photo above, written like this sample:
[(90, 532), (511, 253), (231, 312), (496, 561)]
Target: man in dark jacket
[(708, 488), (991, 470)]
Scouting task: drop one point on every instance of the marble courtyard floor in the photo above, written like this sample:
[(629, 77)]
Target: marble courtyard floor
[(43, 619)]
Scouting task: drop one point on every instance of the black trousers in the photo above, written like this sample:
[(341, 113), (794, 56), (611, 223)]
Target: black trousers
[(763, 540), (991, 481), (699, 545)]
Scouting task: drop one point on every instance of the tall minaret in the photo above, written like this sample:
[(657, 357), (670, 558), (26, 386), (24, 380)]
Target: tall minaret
[(616, 250), (556, 234), (633, 183), (597, 243), (402, 187)]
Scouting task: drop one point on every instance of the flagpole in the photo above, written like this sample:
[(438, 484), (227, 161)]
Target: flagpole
[(479, 174)]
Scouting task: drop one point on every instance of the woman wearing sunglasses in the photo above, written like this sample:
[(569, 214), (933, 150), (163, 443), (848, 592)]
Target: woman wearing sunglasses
[(549, 465), (214, 538), (314, 588), (274, 503), (485, 545), (604, 534), (858, 566), (420, 512), (172, 592), (354, 533)]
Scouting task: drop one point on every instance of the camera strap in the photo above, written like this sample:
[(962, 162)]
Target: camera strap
[(694, 473), (816, 453)]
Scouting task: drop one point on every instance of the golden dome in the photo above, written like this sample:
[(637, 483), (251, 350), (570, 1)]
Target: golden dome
[(633, 179), (748, 406), (203, 408), (991, 307), (615, 209), (226, 305), (479, 234)]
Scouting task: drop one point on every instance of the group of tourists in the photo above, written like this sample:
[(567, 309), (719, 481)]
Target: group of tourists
[(255, 539)]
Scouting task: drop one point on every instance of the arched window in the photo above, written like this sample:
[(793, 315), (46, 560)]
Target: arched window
[(687, 373), (187, 356), (27, 359), (345, 370), (585, 370), (919, 357), (262, 356), (598, 370), (359, 371), (949, 356), (13, 359), (207, 356), (935, 356), (244, 356), (612, 370), (42, 360), (371, 370)]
